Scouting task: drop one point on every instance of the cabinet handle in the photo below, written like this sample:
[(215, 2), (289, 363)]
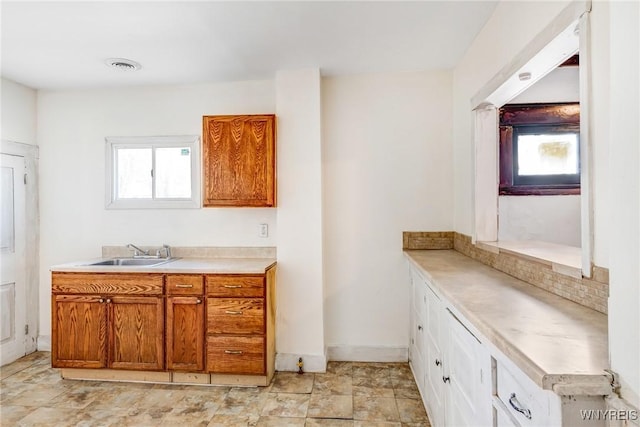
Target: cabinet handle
[(108, 300), (101, 300), (446, 379), (234, 312), (232, 286), (438, 362), (233, 351), (513, 401), (198, 301), (419, 327), (183, 285)]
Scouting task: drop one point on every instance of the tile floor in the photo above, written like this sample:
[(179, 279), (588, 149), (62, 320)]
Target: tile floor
[(349, 394)]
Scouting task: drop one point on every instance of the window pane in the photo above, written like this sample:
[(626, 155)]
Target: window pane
[(134, 179), (548, 154), (173, 173)]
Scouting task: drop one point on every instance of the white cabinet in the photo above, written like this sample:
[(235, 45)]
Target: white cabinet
[(517, 398), (467, 370), (417, 332), (451, 367), (466, 380), (434, 374)]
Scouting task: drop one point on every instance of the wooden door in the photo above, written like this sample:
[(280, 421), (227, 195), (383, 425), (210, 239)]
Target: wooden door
[(185, 334), (239, 160), (136, 339), (79, 331)]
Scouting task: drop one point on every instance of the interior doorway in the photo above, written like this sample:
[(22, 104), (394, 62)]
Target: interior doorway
[(13, 287)]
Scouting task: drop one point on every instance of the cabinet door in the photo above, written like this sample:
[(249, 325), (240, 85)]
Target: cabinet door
[(79, 331), (434, 385), (185, 333), (467, 374), (418, 329), (136, 340), (239, 160)]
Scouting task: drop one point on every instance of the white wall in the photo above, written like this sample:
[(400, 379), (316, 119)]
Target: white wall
[(72, 126), (387, 168), (553, 219), (624, 299), (300, 259), (18, 112)]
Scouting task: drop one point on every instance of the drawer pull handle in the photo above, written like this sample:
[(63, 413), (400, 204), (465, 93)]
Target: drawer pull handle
[(438, 362), (108, 300), (181, 285), (419, 327), (446, 379), (513, 401), (198, 301), (232, 286), (234, 312), (233, 352), (101, 300)]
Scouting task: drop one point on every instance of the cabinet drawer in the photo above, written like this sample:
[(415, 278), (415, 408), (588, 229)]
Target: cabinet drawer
[(111, 284), (235, 316), (524, 400), (235, 355), (185, 284), (235, 286)]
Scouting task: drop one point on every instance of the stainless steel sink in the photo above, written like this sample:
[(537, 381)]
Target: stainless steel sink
[(133, 261)]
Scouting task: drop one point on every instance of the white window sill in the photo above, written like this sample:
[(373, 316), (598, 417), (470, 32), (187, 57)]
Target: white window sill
[(562, 259)]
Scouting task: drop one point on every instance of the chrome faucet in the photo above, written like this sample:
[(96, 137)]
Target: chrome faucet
[(167, 251), (137, 251)]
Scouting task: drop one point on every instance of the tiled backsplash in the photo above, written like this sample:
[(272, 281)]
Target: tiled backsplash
[(427, 240), (592, 293), (197, 251)]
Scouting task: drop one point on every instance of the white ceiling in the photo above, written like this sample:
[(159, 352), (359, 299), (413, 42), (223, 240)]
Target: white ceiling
[(59, 45)]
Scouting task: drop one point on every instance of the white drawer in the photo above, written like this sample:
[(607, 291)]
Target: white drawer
[(524, 400), (501, 419)]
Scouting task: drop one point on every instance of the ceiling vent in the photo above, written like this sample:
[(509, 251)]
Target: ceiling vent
[(123, 64)]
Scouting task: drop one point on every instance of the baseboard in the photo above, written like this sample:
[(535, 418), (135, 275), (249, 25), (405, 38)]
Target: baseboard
[(44, 342), (311, 362), (349, 353)]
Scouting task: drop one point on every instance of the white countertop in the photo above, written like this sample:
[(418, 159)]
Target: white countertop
[(177, 266), (560, 345)]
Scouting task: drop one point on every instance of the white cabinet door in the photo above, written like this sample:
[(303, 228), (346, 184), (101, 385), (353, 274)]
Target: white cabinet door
[(466, 377), (417, 333), (434, 359)]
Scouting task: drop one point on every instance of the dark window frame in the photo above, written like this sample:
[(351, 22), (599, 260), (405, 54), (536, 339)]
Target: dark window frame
[(518, 119)]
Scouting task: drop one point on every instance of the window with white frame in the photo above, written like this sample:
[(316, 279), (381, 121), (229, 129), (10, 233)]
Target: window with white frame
[(153, 172)]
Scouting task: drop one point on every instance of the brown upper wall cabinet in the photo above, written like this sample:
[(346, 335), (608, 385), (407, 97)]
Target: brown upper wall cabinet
[(239, 161)]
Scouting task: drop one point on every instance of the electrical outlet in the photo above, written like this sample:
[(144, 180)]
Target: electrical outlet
[(264, 230)]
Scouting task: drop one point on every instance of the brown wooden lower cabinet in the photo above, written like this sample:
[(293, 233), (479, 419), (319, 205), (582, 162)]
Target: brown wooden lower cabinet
[(185, 333), (136, 340), (120, 332), (79, 331), (236, 355), (223, 325)]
